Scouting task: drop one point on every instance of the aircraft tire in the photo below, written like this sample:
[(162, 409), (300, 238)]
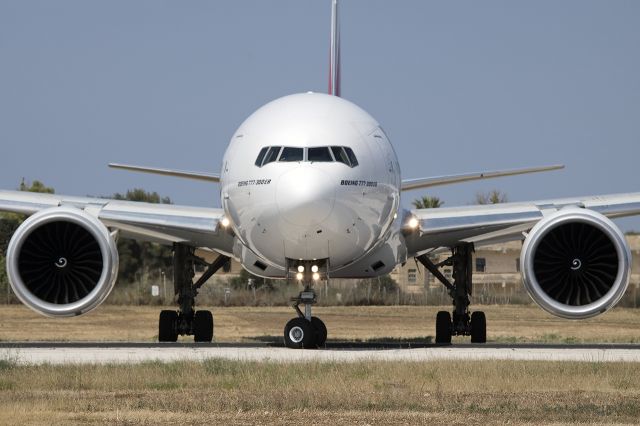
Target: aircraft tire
[(443, 327), (321, 331), (299, 334), (478, 327), (167, 326), (203, 326)]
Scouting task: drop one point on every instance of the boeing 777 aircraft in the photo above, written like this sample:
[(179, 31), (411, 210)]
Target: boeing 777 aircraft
[(310, 189)]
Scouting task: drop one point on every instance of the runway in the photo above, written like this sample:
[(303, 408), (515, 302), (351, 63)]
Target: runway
[(136, 352)]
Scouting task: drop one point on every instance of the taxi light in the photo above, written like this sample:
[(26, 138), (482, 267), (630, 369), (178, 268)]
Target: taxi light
[(225, 222), (314, 268), (413, 223), (299, 276), (316, 276), (300, 268)]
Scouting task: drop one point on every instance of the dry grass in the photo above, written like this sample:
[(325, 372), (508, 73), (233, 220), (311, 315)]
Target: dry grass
[(231, 392), (139, 323)]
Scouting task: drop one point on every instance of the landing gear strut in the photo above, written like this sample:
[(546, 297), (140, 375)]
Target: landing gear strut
[(186, 320), (305, 331), (463, 322)]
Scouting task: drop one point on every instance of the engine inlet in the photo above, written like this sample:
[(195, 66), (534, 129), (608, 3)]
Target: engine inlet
[(576, 264), (60, 262)]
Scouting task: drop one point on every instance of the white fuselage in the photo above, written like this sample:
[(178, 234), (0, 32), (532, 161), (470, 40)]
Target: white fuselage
[(305, 209)]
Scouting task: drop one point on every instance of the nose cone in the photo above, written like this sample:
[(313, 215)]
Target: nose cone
[(305, 196)]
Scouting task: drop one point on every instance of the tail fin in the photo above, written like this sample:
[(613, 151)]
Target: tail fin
[(334, 55)]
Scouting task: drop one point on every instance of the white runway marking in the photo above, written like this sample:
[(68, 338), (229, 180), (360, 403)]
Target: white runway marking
[(103, 355)]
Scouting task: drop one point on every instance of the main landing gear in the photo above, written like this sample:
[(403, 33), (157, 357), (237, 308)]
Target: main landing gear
[(305, 331), (461, 322), (186, 320)]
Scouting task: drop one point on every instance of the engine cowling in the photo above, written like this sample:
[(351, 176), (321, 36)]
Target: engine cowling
[(576, 263), (62, 262)]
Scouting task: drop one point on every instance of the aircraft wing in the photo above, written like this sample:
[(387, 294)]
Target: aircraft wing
[(409, 184), (164, 223), (495, 223), (208, 177)]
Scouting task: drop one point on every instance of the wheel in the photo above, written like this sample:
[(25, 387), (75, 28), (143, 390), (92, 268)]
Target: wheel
[(203, 326), (443, 327), (167, 326), (299, 333), (478, 327), (321, 331)]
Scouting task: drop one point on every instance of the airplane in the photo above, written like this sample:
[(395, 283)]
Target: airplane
[(310, 189)]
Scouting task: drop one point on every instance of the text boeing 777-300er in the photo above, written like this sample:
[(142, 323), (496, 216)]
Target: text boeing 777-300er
[(310, 188)]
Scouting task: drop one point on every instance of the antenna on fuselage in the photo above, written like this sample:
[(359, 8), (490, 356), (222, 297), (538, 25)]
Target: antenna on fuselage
[(334, 54)]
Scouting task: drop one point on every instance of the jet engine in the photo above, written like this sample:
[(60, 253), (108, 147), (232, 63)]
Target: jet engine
[(575, 263), (62, 262)]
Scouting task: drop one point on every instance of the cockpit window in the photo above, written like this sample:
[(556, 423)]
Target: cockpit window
[(272, 155), (291, 154), (352, 156), (340, 155), (319, 154), (263, 151)]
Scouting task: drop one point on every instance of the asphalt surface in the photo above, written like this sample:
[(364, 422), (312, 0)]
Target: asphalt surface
[(135, 352)]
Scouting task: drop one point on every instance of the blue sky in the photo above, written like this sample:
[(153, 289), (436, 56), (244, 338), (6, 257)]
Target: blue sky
[(458, 86)]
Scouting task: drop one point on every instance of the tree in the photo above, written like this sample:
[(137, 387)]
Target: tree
[(242, 280), (427, 202), (491, 197), (138, 259), (4, 282), (8, 224), (139, 194), (35, 186)]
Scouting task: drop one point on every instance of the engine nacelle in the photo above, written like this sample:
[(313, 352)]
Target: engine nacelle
[(576, 263), (62, 262)]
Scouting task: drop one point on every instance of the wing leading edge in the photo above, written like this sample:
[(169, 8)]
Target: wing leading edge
[(409, 184), (209, 177)]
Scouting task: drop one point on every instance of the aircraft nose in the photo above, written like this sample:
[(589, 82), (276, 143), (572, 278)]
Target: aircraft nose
[(305, 196)]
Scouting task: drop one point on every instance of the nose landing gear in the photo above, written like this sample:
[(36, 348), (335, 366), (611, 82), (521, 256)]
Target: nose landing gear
[(305, 331)]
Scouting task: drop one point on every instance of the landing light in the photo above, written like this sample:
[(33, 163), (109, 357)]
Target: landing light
[(299, 276), (314, 268), (225, 222), (316, 276), (413, 223), (300, 268)]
